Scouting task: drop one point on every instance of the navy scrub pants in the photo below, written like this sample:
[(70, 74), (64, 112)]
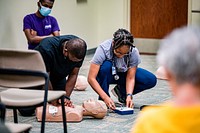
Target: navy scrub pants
[(143, 79)]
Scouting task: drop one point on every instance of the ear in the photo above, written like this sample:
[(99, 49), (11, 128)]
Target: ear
[(84, 110), (38, 4), (113, 44), (168, 75), (95, 112), (172, 82)]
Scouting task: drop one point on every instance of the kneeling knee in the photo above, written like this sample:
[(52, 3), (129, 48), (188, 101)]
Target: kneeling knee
[(151, 82), (106, 67)]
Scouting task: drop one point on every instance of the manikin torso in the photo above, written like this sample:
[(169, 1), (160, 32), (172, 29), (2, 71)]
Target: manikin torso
[(94, 108)]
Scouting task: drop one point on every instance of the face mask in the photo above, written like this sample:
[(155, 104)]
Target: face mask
[(45, 11)]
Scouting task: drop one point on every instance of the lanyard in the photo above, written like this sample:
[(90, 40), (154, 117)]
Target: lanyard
[(114, 69)]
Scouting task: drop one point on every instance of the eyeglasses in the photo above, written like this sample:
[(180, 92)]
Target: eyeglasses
[(119, 53)]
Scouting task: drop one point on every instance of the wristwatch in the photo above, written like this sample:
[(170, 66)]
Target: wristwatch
[(129, 94)]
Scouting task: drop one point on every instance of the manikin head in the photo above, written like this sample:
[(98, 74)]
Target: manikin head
[(161, 73), (81, 83), (94, 108)]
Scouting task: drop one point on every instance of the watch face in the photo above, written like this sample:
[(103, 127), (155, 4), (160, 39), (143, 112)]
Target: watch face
[(129, 95)]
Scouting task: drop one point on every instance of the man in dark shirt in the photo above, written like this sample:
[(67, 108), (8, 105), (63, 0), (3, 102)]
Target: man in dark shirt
[(63, 56)]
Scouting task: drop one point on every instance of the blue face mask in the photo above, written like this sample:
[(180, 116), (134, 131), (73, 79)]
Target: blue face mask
[(45, 11)]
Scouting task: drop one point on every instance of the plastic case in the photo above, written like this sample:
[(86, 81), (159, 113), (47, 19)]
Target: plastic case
[(124, 110)]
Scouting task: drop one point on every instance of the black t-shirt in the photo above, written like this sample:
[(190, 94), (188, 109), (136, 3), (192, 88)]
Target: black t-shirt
[(51, 50)]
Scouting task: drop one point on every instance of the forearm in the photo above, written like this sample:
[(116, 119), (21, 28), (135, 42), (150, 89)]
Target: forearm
[(97, 88), (130, 83), (70, 85), (37, 39), (34, 38), (92, 75), (56, 33)]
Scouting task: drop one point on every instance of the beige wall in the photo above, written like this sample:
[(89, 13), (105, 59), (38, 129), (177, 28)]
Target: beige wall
[(195, 17), (94, 21)]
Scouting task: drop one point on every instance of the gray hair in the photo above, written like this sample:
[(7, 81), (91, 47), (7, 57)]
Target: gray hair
[(179, 53)]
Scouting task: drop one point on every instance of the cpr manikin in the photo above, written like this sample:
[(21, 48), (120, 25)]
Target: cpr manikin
[(160, 73), (96, 109), (93, 108), (54, 113), (81, 83)]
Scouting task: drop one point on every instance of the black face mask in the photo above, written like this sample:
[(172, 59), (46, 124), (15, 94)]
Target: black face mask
[(68, 60)]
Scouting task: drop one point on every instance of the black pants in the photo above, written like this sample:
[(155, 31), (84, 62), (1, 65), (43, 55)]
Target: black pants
[(2, 112), (57, 85), (29, 111)]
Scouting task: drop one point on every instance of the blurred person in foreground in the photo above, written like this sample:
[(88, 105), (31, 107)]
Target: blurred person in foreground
[(179, 54)]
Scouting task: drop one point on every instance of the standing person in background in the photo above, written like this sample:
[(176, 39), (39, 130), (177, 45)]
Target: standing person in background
[(40, 25), (116, 62), (179, 55)]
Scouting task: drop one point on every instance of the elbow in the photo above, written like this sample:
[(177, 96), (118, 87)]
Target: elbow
[(89, 79), (34, 40), (31, 40)]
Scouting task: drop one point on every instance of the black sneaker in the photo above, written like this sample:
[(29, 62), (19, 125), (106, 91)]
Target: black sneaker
[(118, 95), (27, 111)]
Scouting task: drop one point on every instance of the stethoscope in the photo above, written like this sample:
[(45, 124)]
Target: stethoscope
[(114, 71), (114, 68)]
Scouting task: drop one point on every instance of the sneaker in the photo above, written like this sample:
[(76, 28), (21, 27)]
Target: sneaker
[(116, 92), (27, 111)]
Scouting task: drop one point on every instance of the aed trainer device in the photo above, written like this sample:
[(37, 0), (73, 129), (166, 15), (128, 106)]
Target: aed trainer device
[(124, 110)]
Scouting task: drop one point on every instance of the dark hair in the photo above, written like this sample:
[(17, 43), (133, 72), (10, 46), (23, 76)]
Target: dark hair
[(77, 47), (122, 37), (49, 0)]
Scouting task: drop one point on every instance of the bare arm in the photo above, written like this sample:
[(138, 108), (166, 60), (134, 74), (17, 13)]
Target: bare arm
[(56, 33), (93, 71), (32, 36), (130, 83), (71, 81)]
